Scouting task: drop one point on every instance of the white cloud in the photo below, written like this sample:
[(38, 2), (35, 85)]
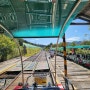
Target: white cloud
[(36, 39), (73, 39)]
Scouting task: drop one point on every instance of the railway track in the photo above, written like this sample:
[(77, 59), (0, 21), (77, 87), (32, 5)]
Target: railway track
[(34, 67), (10, 70), (78, 76), (39, 66)]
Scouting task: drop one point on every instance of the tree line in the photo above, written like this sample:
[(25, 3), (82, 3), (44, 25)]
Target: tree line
[(9, 49)]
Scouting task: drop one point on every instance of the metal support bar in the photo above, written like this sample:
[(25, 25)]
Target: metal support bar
[(55, 60), (14, 13), (35, 13), (80, 24), (65, 62), (64, 52), (54, 14), (38, 1), (33, 24), (18, 48), (55, 68), (21, 60), (84, 18)]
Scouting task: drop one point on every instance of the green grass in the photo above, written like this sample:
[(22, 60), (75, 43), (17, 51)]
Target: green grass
[(32, 51)]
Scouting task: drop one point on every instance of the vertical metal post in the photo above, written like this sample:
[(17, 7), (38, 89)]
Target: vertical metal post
[(55, 69), (21, 61), (56, 61), (65, 62), (16, 41), (18, 48)]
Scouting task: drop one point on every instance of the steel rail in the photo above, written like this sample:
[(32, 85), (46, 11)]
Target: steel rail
[(18, 74), (34, 66), (13, 81), (1, 88), (49, 69)]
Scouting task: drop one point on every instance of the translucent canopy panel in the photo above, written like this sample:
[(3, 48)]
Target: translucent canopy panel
[(81, 46), (71, 47), (38, 18)]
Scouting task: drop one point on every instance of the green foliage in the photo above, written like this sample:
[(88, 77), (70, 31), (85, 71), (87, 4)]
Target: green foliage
[(73, 44), (7, 48), (24, 50), (59, 45), (85, 43), (32, 51), (83, 51), (53, 46), (20, 42), (47, 47)]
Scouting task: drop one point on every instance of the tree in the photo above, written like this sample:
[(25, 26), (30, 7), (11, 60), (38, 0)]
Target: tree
[(6, 47), (73, 44), (85, 43), (60, 45), (51, 45), (24, 50), (20, 41)]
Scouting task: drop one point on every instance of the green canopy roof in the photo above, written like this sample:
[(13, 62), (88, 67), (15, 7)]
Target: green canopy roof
[(81, 46), (38, 18), (71, 47)]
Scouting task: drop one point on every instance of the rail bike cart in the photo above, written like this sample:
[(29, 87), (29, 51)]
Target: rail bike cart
[(42, 19), (52, 53)]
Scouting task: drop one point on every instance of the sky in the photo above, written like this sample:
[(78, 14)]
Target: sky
[(73, 33)]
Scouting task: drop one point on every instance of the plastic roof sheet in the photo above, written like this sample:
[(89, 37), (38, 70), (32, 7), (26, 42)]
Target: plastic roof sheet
[(80, 46), (38, 18), (75, 47)]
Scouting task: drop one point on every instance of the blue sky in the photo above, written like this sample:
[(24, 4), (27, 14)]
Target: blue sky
[(73, 33), (78, 32)]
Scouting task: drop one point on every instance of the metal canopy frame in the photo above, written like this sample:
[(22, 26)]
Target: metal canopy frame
[(88, 23), (38, 18), (24, 18)]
